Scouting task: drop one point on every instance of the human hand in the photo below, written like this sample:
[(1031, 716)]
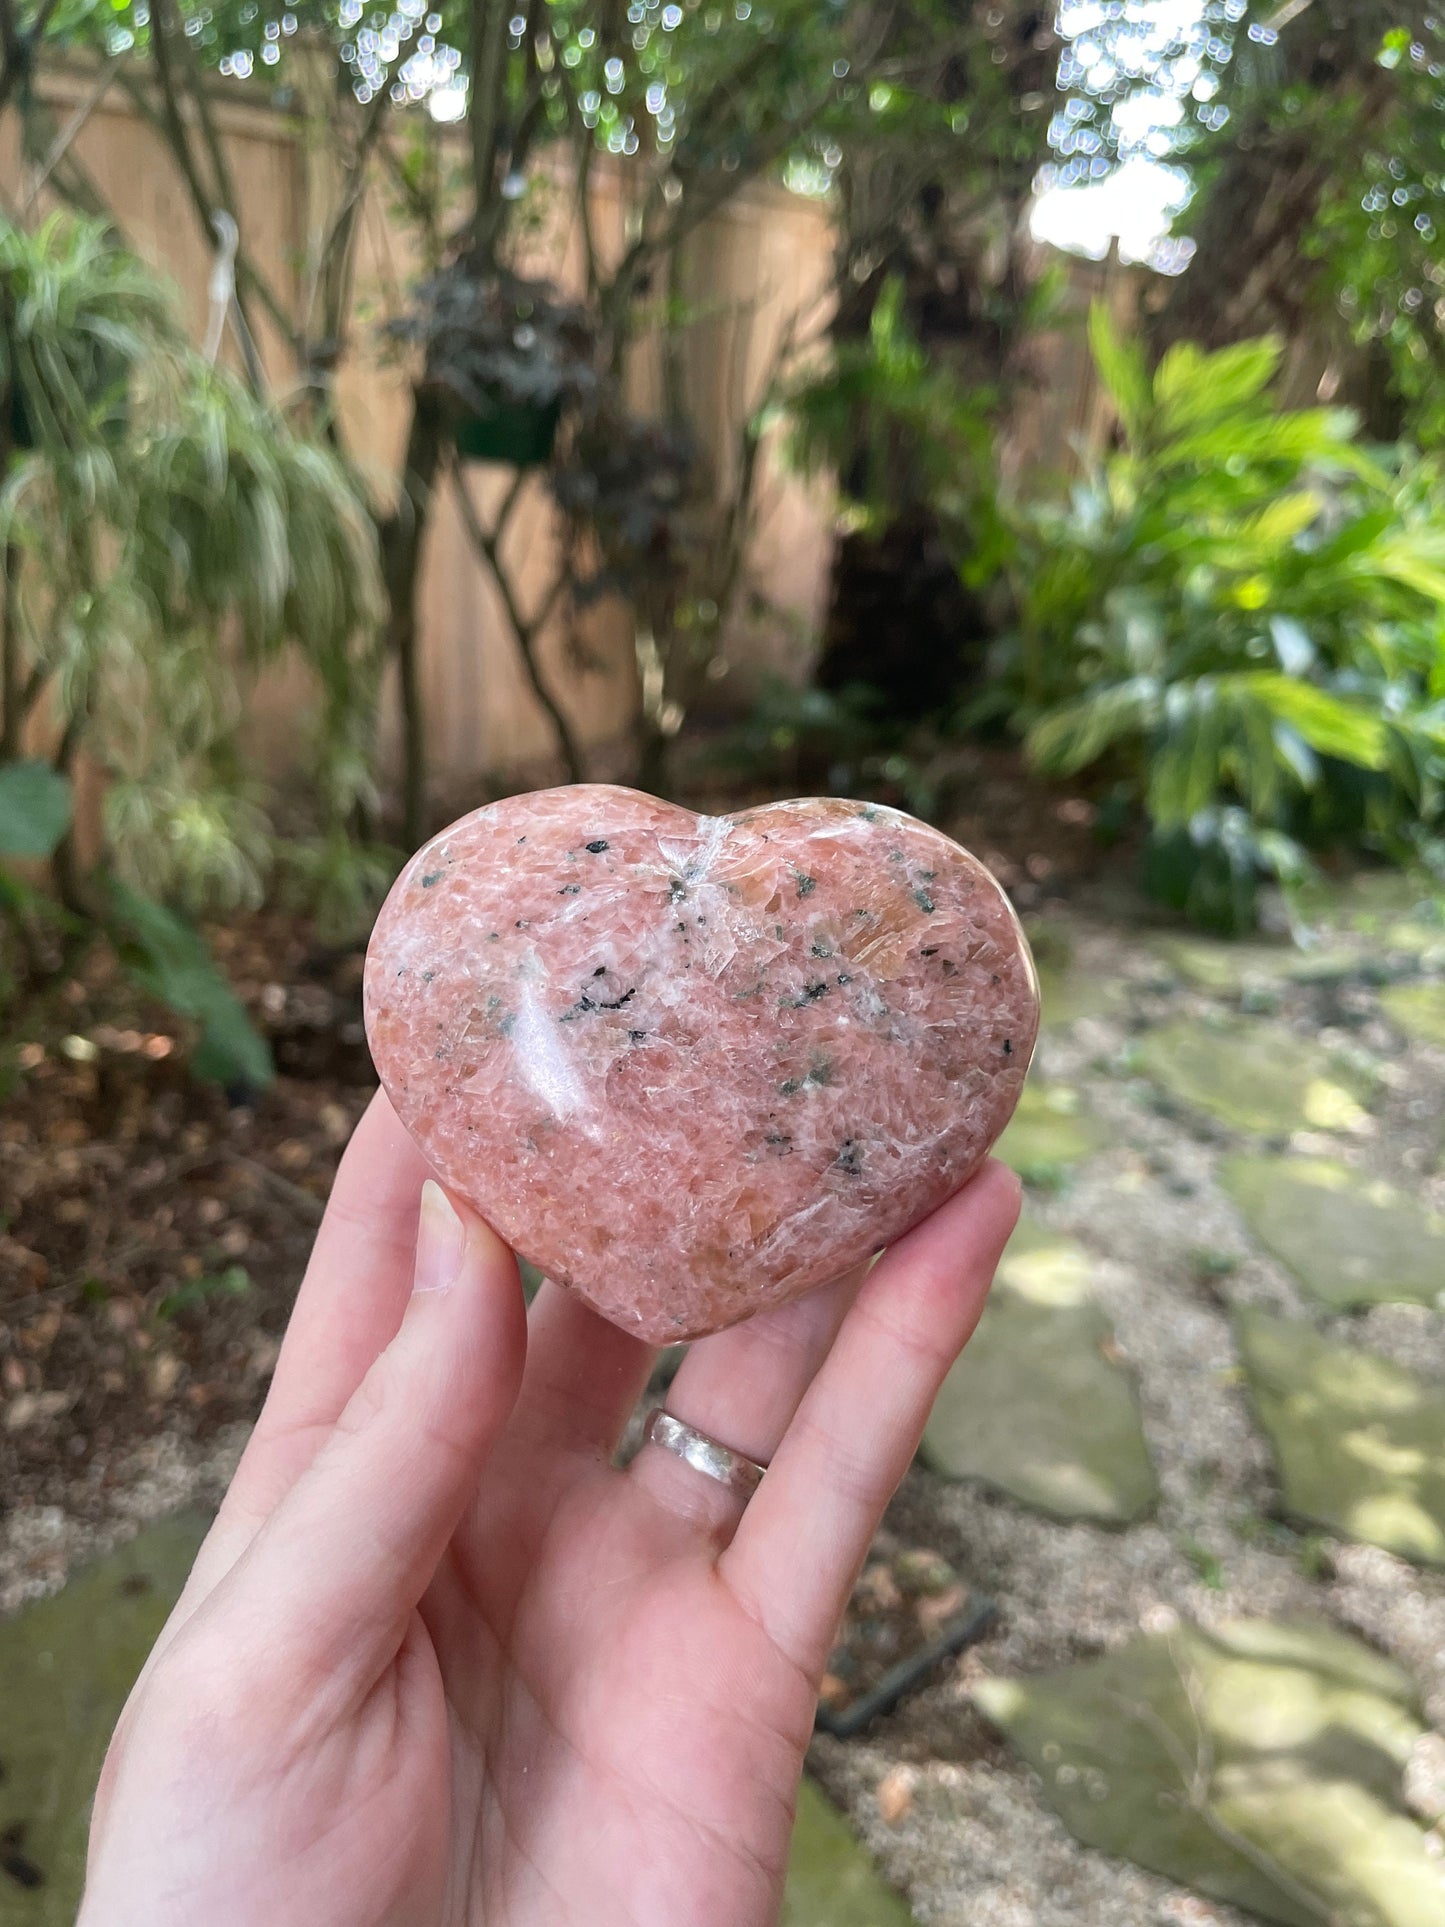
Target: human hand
[(440, 1661)]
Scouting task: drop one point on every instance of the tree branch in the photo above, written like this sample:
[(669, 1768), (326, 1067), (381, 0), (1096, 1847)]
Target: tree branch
[(487, 546), (334, 260), (489, 68), (66, 138), (249, 280), (17, 49), (169, 123)]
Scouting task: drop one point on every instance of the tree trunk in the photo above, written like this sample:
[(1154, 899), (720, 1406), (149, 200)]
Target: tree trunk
[(899, 619), (401, 537), (653, 757), (567, 745), (1251, 273)]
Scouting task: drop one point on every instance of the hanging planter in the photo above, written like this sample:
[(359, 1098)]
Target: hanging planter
[(506, 358), (519, 433)]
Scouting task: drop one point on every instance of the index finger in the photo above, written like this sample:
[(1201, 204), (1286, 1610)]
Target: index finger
[(347, 1312), (358, 1278)]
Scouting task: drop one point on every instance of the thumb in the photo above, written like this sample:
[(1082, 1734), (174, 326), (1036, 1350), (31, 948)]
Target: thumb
[(331, 1580)]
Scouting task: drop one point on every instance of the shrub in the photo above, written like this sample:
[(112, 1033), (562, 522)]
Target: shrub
[(1237, 612), (165, 535)]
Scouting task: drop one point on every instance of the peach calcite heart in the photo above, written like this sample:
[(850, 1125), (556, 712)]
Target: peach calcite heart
[(692, 1066)]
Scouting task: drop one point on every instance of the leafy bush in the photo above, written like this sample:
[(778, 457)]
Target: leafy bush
[(164, 536), (1238, 612), (817, 741), (894, 425)]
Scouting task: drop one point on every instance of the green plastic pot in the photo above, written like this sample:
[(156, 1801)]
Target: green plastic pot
[(521, 434)]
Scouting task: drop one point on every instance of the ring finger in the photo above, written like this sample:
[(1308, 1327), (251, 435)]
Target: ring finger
[(741, 1388)]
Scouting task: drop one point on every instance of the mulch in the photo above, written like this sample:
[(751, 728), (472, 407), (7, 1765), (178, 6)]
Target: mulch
[(153, 1234)]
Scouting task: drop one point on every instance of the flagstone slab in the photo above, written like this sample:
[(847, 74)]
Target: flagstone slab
[(1068, 992), (66, 1666), (1418, 1010), (1040, 1406), (68, 1662), (1254, 1076), (1348, 1238), (1231, 969), (1397, 909), (1261, 1764), (1049, 1132), (832, 1880), (1375, 899), (1359, 1441)]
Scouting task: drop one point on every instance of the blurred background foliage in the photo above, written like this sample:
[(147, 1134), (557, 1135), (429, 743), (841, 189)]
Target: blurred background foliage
[(1223, 621)]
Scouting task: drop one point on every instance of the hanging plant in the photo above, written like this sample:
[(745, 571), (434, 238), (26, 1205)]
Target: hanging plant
[(505, 357), (77, 314)]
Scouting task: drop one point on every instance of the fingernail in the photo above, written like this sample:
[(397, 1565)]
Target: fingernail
[(441, 1241)]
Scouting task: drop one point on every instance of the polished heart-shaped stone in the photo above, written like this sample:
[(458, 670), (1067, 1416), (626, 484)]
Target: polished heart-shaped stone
[(695, 1065)]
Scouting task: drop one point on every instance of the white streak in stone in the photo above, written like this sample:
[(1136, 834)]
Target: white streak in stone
[(546, 1067), (693, 856)]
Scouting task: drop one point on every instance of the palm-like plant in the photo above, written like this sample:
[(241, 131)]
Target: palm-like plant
[(1240, 611)]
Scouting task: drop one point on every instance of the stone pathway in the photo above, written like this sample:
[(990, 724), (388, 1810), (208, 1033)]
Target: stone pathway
[(1260, 1763), (1221, 1330), (66, 1666), (1041, 1405), (1197, 1456), (1359, 1441)]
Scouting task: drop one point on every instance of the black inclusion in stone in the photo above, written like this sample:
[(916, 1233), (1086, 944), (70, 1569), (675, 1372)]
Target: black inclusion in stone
[(596, 847)]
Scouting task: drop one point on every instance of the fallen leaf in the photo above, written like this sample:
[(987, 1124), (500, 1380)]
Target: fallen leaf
[(895, 1795), (29, 1407), (165, 1369)]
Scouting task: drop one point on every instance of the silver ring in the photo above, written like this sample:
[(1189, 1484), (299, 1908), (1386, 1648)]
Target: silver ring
[(703, 1454)]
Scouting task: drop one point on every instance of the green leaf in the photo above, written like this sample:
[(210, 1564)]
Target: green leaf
[(1190, 387), (1122, 370), (1069, 738), (169, 960), (1327, 724), (1286, 518), (1414, 558), (35, 808), (233, 1282)]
